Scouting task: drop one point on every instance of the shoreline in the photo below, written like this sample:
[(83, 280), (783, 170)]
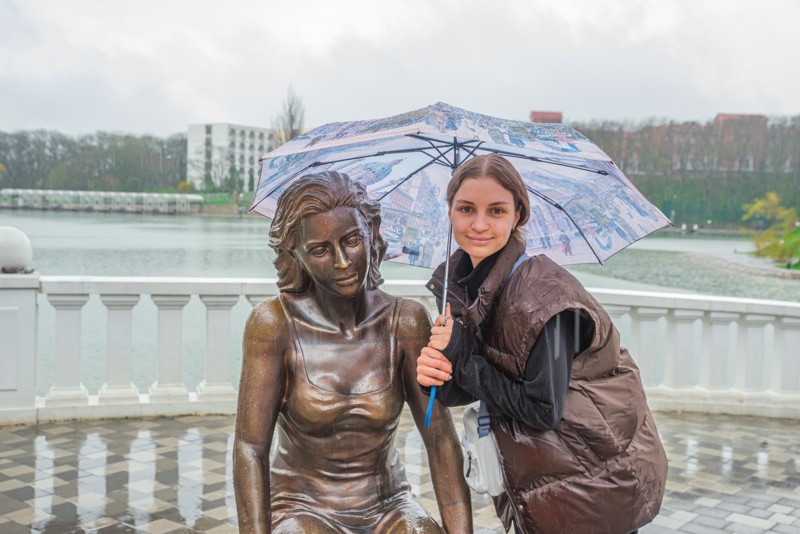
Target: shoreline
[(746, 265)]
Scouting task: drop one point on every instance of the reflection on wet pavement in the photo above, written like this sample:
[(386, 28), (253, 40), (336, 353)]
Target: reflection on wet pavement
[(727, 474)]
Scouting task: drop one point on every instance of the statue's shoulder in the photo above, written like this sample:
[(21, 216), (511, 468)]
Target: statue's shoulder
[(412, 313), (406, 306), (269, 312), (412, 307)]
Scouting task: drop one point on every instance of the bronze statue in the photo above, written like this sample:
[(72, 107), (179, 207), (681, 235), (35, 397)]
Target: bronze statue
[(327, 367)]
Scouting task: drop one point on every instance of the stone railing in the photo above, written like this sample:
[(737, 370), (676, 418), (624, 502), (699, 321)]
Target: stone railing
[(696, 353)]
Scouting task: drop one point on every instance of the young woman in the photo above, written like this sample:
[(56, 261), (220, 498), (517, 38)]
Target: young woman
[(578, 446), (328, 366)]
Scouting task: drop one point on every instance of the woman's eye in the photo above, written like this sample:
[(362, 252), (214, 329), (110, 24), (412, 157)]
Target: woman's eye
[(465, 209), (353, 241), (319, 251), (498, 211)]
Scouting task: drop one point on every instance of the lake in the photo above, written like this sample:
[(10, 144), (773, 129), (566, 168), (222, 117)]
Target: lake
[(68, 243)]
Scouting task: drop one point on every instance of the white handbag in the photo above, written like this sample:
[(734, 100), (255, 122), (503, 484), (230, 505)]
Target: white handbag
[(481, 462)]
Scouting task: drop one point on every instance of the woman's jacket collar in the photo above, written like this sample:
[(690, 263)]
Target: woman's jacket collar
[(475, 313)]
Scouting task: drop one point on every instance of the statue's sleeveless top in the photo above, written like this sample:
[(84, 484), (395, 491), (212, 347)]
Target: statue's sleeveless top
[(335, 456)]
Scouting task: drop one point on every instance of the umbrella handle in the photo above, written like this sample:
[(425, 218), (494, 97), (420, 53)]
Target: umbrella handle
[(444, 308), (430, 407)]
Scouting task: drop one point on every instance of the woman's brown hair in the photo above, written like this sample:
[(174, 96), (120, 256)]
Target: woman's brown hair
[(501, 170)]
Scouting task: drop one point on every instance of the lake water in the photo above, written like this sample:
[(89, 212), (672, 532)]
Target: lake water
[(150, 245)]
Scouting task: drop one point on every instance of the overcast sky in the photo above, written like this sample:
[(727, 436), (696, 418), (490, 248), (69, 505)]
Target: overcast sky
[(79, 66)]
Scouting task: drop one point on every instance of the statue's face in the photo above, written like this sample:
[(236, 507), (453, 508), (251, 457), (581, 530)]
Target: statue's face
[(334, 250)]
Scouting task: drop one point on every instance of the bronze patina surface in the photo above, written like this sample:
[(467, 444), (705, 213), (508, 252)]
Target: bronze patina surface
[(328, 367)]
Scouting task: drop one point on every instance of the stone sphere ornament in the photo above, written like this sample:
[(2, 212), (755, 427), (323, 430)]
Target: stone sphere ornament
[(15, 251)]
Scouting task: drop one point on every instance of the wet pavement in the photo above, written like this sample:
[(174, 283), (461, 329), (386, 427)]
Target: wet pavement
[(727, 474)]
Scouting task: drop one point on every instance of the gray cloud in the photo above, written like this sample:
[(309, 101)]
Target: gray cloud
[(154, 67)]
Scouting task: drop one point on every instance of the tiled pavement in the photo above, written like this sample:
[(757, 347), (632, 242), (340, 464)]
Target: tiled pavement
[(727, 474)]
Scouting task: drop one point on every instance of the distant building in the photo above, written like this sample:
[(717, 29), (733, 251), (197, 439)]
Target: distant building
[(741, 139), (546, 116), (211, 149)]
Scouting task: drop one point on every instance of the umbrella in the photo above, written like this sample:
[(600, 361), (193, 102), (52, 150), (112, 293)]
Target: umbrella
[(583, 208)]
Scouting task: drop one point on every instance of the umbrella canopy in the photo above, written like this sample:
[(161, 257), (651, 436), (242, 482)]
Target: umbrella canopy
[(583, 209)]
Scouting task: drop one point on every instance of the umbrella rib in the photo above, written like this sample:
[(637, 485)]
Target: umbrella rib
[(332, 161), (478, 144), (375, 155), (471, 153), (436, 144), (437, 148), (442, 155), (279, 185), (544, 160), (569, 216), (408, 176)]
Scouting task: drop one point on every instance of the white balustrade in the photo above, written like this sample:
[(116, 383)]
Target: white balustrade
[(67, 389), (716, 359), (680, 353), (750, 357), (168, 386), (695, 353), (119, 386), (786, 366), (644, 346), (215, 386)]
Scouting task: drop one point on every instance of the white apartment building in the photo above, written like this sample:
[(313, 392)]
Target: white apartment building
[(212, 149)]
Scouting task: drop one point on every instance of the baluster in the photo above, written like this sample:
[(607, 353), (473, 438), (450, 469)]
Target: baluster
[(217, 384), (750, 358), (168, 386), (255, 299), (257, 291), (67, 388), (681, 348), (618, 315), (643, 342), (119, 387), (786, 364), (715, 361)]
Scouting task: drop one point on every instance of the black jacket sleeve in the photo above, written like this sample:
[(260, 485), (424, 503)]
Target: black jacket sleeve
[(537, 400), (461, 345)]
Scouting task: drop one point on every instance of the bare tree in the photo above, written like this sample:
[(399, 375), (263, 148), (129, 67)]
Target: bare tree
[(289, 122)]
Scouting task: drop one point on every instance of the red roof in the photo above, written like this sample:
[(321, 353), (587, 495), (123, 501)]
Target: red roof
[(724, 117), (546, 116)]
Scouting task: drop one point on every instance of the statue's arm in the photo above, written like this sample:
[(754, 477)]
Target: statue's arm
[(261, 390), (441, 442)]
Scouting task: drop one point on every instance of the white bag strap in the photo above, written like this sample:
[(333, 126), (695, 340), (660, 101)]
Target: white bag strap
[(518, 262), (484, 420)]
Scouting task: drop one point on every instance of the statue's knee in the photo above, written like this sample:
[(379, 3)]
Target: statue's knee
[(302, 524), (413, 524)]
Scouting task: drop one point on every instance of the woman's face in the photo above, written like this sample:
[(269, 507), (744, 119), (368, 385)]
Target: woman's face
[(333, 249), (483, 213)]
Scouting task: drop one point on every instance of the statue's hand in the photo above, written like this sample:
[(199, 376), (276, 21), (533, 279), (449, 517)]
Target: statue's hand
[(441, 331), (433, 368)]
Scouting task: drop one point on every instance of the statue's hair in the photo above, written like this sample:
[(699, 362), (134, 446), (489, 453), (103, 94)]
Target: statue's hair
[(310, 195)]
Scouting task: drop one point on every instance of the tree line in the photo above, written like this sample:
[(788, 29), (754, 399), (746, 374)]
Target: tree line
[(44, 159), (706, 173), (696, 173), (105, 161)]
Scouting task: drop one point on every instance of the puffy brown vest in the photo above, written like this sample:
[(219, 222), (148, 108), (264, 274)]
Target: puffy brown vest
[(603, 468)]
